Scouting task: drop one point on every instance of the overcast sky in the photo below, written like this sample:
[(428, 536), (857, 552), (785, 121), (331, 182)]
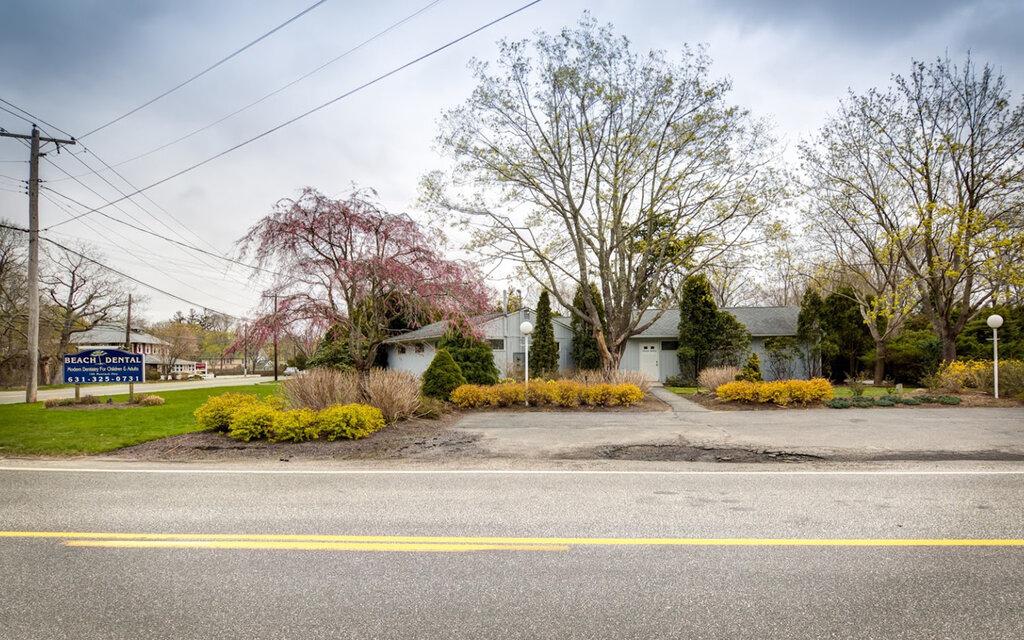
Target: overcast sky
[(79, 63)]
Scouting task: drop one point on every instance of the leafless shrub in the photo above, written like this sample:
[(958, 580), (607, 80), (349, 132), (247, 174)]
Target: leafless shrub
[(615, 376), (395, 393), (714, 377), (321, 388)]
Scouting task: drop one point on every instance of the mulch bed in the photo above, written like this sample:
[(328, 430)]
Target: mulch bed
[(411, 439)]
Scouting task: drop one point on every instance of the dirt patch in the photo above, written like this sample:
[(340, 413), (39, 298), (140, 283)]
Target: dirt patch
[(412, 439), (691, 453)]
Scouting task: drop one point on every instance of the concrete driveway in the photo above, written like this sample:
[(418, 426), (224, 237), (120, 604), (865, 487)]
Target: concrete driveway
[(14, 397), (875, 433)]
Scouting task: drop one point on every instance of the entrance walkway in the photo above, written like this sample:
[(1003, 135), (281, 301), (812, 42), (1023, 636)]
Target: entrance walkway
[(678, 403)]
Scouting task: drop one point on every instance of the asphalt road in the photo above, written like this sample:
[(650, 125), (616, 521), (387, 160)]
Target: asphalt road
[(511, 554), (15, 397)]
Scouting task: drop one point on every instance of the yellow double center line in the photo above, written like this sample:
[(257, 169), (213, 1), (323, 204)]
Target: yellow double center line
[(300, 542)]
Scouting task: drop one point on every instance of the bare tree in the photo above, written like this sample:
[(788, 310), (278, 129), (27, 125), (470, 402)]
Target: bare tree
[(182, 340), (82, 295), (935, 164), (13, 302), (586, 163)]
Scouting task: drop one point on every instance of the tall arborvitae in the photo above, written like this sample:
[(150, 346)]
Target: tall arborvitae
[(543, 348)]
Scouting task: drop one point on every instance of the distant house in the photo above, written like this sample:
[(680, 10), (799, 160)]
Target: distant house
[(155, 349), (413, 351), (652, 352)]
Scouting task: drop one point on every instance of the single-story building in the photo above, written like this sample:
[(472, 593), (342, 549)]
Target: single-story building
[(653, 351), (155, 349), (413, 351)]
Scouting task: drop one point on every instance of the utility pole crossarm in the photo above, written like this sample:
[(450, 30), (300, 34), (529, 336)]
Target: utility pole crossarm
[(24, 136)]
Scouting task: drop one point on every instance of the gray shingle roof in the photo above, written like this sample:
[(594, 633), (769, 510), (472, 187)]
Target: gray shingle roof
[(759, 321), (109, 334), (437, 329)]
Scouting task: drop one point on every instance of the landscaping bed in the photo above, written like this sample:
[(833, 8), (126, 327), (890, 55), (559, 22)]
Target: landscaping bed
[(31, 429)]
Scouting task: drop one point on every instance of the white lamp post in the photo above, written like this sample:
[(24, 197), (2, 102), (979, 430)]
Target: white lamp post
[(995, 321), (526, 328)]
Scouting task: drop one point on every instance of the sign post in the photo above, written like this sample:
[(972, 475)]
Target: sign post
[(97, 366)]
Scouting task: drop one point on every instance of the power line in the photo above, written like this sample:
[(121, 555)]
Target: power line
[(123, 178), (163, 269), (208, 69), (156, 235), (123, 274), (273, 93), (309, 112)]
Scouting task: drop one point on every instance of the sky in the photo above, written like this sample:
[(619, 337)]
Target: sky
[(79, 63)]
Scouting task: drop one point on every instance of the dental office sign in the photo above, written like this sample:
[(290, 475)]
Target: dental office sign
[(104, 365)]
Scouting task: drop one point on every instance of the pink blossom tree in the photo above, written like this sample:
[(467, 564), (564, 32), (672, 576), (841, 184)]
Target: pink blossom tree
[(350, 263)]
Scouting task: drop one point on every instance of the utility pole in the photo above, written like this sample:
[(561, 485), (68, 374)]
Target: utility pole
[(275, 333), (275, 337), (128, 348), (33, 254), (245, 349)]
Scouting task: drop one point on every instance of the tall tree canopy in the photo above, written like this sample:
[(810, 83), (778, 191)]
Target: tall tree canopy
[(586, 163), (931, 169), (352, 264)]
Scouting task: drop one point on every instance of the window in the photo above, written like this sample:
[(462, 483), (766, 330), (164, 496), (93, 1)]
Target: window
[(669, 345), (498, 344)]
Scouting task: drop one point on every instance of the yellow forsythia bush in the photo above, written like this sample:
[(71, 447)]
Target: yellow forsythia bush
[(780, 392), (562, 393), (248, 417), (960, 374), (217, 412)]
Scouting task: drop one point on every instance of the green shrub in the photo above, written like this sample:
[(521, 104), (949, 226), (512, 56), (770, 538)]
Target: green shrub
[(349, 421), (909, 400), (442, 376), (252, 421), (751, 371), (474, 357), (839, 403), (856, 387), (885, 401), (949, 400), (68, 402)]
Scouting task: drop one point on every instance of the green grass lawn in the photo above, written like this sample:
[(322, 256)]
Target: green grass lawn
[(683, 391), (33, 429)]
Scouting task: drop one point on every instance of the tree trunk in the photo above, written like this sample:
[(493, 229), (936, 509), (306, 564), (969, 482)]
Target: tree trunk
[(948, 348), (879, 362)]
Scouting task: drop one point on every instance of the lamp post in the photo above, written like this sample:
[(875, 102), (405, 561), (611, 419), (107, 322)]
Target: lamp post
[(526, 327), (995, 321)]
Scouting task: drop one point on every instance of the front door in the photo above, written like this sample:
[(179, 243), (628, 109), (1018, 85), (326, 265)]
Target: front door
[(649, 364)]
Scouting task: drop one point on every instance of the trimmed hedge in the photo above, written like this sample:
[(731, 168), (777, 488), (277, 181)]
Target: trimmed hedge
[(780, 392), (562, 393)]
